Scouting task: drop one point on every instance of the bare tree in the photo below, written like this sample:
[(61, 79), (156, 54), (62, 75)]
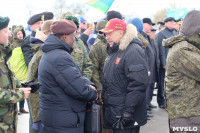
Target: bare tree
[(162, 14), (29, 7), (61, 7)]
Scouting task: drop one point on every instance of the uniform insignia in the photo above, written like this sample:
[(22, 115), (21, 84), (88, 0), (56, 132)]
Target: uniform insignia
[(117, 60)]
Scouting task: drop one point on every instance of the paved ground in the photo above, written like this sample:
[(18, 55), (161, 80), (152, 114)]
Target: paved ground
[(158, 124)]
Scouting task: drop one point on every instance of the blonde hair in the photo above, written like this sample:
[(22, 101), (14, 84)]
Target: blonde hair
[(46, 26)]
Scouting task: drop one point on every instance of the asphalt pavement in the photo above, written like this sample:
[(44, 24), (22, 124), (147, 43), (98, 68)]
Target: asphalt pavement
[(158, 124)]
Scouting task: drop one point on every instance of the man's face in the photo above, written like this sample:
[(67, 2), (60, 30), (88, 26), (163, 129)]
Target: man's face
[(177, 26), (70, 39), (114, 37), (4, 36), (20, 35), (83, 25), (170, 24), (147, 27), (36, 25), (152, 34)]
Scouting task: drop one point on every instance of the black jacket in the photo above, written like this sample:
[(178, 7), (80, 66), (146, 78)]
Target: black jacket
[(26, 48), (64, 91), (150, 56), (164, 34), (157, 60), (84, 38), (124, 81)]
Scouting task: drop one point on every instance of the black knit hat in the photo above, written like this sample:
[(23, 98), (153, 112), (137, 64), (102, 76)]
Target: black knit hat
[(4, 22), (113, 14)]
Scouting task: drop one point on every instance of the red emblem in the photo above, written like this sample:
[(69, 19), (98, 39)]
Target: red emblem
[(117, 60)]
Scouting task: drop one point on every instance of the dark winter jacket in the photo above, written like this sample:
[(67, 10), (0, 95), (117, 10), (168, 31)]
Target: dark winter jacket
[(157, 59), (124, 81), (84, 38), (150, 58), (64, 91), (26, 48), (164, 34)]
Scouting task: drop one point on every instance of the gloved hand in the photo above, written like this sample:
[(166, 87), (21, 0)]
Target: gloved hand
[(127, 119), (34, 86), (119, 123)]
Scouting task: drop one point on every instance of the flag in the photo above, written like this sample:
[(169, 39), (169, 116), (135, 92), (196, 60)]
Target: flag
[(102, 5), (177, 13)]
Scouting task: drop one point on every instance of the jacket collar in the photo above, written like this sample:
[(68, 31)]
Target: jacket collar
[(130, 34), (52, 42)]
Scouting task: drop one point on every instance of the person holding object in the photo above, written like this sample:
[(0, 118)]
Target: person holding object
[(9, 93), (64, 92), (124, 79)]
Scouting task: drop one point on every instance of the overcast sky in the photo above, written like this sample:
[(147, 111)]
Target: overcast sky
[(18, 12)]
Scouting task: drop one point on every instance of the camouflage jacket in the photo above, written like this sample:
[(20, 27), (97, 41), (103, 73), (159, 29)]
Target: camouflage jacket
[(98, 54), (34, 99), (81, 57), (9, 96), (15, 43), (182, 76)]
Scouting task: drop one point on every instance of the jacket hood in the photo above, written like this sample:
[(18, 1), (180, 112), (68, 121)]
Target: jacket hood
[(130, 34), (52, 42), (18, 29), (137, 22), (194, 40), (191, 24)]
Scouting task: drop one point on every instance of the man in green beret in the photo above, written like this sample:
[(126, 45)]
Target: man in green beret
[(80, 54), (9, 93)]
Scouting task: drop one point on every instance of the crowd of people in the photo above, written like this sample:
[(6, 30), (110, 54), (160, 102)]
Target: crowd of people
[(115, 63)]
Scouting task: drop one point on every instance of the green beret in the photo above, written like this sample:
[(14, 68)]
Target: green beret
[(69, 16), (101, 24), (4, 22)]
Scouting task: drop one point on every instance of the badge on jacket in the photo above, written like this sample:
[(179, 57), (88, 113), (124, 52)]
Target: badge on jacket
[(117, 60)]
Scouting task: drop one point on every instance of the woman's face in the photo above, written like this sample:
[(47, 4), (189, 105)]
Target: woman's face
[(20, 35)]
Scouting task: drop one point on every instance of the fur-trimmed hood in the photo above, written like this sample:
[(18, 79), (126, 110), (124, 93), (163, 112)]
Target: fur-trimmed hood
[(130, 34)]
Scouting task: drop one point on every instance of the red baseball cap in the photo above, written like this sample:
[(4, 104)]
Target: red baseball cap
[(114, 24)]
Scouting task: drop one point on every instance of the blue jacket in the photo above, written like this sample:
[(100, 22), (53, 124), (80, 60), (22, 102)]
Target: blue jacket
[(64, 91)]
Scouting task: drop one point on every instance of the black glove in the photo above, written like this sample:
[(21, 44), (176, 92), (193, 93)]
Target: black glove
[(118, 124), (34, 86), (127, 118)]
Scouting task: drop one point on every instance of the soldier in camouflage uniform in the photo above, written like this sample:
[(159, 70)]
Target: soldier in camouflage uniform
[(183, 74), (98, 54), (34, 99), (79, 54), (9, 94)]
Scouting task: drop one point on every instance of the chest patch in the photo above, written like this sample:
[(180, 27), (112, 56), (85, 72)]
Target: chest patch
[(117, 60)]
